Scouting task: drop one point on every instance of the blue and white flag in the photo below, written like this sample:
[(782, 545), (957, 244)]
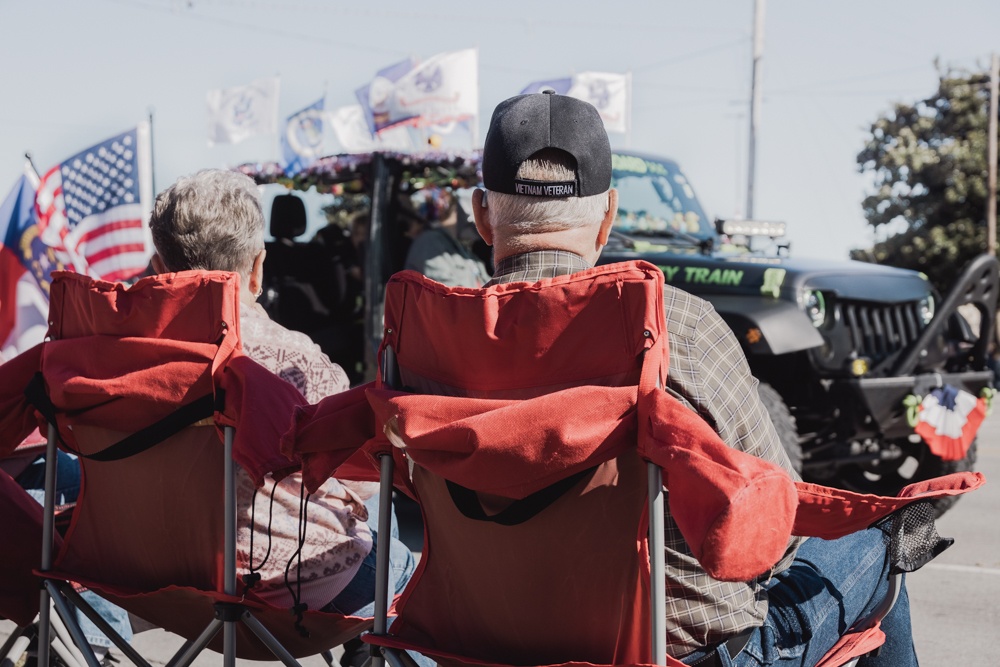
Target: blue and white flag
[(236, 114), (438, 91), (302, 140), (351, 129), (375, 96), (610, 94), (560, 86)]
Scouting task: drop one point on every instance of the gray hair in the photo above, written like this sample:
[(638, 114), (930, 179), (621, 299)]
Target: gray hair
[(211, 220), (523, 214)]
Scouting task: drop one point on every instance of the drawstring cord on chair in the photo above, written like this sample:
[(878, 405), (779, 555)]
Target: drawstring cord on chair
[(252, 576), (299, 607)]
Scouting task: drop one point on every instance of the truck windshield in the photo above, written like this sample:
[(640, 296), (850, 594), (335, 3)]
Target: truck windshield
[(655, 198)]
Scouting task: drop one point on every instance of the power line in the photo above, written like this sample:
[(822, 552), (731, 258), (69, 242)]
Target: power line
[(877, 92), (850, 79), (691, 56), (423, 15), (269, 30)]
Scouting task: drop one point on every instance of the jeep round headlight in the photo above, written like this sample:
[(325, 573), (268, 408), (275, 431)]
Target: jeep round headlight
[(814, 304), (925, 309)]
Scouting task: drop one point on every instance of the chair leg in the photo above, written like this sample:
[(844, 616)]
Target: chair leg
[(62, 644), (68, 656), (269, 640), (229, 644), (229, 554), (657, 566), (397, 658), (48, 545), (68, 615), (191, 648), (382, 593), (80, 603), (16, 645)]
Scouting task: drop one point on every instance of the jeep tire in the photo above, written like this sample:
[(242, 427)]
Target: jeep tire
[(784, 423), (917, 464)]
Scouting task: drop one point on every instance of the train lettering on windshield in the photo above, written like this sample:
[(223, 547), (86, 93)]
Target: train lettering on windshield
[(703, 276)]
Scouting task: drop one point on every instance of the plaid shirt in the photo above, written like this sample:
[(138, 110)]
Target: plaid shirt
[(709, 373)]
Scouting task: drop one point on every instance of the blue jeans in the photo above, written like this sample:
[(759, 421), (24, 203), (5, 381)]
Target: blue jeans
[(32, 480), (830, 585), (358, 598)]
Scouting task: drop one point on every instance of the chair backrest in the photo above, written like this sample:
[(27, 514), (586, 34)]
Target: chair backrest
[(589, 328), (561, 574), (149, 530), (134, 514)]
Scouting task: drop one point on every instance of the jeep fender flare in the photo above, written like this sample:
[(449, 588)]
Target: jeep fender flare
[(767, 326)]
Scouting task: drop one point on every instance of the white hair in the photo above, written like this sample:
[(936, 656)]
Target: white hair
[(211, 220), (524, 214)]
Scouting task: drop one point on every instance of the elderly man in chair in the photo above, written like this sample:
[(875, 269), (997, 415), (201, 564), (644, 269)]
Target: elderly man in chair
[(547, 210)]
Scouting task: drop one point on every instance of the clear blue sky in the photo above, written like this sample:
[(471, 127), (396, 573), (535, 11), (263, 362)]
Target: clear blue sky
[(76, 72)]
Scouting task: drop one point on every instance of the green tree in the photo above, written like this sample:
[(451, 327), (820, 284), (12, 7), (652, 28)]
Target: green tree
[(928, 162)]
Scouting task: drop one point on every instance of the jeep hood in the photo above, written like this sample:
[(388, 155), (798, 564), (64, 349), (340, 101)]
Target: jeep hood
[(781, 277)]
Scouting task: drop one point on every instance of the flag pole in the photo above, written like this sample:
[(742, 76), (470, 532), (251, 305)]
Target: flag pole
[(30, 171), (991, 187), (755, 102), (152, 162), (628, 114), (278, 127)]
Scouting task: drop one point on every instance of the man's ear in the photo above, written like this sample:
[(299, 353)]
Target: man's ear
[(609, 218), (481, 215), (256, 280), (157, 263)]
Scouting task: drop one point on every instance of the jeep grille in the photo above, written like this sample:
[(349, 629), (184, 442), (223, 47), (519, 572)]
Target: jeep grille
[(880, 330)]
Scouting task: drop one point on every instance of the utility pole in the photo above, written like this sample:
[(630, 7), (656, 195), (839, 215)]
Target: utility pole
[(755, 97), (991, 183)]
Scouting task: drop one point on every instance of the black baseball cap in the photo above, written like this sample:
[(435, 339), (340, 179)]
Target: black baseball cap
[(526, 124)]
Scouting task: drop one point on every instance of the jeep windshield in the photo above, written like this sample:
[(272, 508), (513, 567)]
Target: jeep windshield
[(656, 200)]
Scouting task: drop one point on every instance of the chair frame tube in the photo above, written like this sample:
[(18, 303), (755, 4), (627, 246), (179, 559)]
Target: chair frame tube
[(68, 615), (382, 594), (80, 603), (229, 562), (657, 565), (190, 650), (48, 544), (15, 646)]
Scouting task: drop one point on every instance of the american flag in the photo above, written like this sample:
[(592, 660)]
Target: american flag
[(94, 207)]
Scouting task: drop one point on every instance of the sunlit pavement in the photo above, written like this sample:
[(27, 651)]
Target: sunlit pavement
[(955, 600)]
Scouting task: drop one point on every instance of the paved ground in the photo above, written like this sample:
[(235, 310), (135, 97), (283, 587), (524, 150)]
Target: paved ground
[(955, 600)]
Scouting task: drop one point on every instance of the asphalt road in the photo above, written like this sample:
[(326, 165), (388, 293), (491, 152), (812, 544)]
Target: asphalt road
[(955, 600)]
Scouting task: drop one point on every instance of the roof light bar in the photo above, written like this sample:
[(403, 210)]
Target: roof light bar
[(750, 228)]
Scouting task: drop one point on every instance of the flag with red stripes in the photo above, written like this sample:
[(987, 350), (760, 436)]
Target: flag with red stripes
[(93, 208)]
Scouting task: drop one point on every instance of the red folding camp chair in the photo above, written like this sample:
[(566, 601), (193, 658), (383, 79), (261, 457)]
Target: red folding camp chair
[(531, 424), (20, 556), (149, 387)]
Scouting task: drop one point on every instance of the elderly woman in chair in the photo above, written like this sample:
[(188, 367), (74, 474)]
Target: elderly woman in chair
[(213, 220)]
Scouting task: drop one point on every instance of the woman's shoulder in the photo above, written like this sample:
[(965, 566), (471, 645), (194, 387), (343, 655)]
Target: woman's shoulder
[(291, 355)]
